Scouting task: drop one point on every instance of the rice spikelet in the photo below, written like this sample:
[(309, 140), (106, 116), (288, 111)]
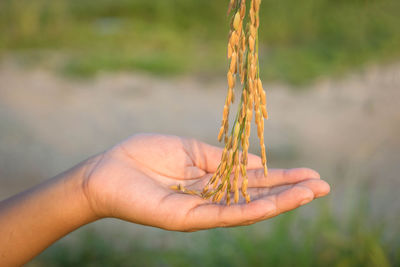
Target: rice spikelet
[(242, 53)]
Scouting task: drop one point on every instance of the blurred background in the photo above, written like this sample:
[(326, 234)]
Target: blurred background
[(77, 76)]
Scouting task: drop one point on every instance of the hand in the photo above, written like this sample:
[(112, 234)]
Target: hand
[(131, 182)]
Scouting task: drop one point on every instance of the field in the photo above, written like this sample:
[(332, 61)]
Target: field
[(76, 77), (300, 41), (49, 123)]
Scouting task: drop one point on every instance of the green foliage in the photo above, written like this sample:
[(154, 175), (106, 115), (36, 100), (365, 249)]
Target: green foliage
[(299, 40), (292, 239)]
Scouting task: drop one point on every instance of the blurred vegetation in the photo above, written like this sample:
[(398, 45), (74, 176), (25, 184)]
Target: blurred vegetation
[(292, 239), (300, 40)]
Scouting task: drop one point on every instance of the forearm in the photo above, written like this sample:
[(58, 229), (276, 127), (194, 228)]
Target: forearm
[(33, 220)]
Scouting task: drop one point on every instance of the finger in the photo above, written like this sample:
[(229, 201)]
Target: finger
[(319, 188), (213, 215), (208, 157), (204, 156), (299, 195), (254, 162), (292, 198), (280, 176), (283, 199)]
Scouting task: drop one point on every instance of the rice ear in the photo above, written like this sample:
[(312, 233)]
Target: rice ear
[(242, 51)]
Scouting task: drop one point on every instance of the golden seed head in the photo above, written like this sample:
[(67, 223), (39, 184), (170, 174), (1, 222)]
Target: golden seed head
[(243, 9), (224, 185), (253, 31), (212, 180), (244, 156), (245, 148), (243, 170), (231, 80), (247, 129), (233, 67), (236, 197), (250, 85), (260, 132), (229, 143), (244, 186), (236, 21), (230, 156), (247, 198), (237, 173), (236, 130), (236, 160), (175, 187), (249, 117), (226, 112), (253, 70), (250, 103), (265, 170), (263, 96), (234, 39), (205, 189), (220, 197), (249, 58), (239, 32), (216, 196), (244, 94), (252, 16), (226, 125), (264, 111), (243, 43), (223, 165), (243, 74), (256, 5), (229, 96), (257, 105), (251, 43), (224, 153), (240, 47), (264, 160), (259, 84), (220, 134), (242, 113), (235, 144), (215, 183), (230, 51)]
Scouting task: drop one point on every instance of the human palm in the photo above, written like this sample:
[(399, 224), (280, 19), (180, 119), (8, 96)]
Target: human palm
[(132, 182)]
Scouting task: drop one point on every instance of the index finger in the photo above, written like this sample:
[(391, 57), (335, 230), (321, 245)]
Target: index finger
[(280, 176)]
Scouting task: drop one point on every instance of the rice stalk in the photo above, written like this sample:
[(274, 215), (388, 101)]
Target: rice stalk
[(242, 53)]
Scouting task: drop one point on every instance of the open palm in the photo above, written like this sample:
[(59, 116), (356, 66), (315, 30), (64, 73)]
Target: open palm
[(132, 182)]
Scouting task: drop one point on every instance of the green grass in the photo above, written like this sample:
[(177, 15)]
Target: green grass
[(293, 239), (299, 40)]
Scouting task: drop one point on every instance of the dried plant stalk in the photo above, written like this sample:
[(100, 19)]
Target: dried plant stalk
[(242, 52)]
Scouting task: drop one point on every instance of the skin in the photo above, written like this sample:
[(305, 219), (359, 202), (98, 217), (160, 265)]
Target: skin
[(131, 182)]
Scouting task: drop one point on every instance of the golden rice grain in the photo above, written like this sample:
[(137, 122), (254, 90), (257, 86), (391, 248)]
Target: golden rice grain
[(242, 53), (236, 21)]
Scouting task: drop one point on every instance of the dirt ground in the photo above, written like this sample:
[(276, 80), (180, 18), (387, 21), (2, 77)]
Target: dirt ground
[(348, 129)]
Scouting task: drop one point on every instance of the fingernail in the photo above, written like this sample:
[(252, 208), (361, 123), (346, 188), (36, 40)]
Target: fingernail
[(305, 201)]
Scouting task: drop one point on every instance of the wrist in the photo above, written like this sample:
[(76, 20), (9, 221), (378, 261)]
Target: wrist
[(36, 218), (81, 186)]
